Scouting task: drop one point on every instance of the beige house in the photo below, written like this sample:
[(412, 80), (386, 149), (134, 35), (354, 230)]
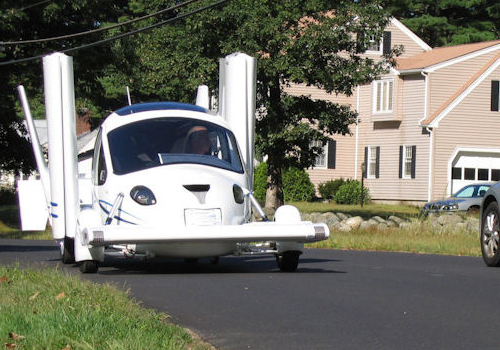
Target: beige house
[(427, 128)]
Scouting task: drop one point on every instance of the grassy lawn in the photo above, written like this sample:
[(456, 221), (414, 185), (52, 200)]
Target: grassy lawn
[(418, 239), (10, 227), (421, 237), (48, 309)]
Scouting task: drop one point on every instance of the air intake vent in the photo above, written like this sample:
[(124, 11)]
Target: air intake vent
[(197, 188)]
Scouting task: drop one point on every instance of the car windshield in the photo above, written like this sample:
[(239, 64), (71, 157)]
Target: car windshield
[(160, 141), (472, 191)]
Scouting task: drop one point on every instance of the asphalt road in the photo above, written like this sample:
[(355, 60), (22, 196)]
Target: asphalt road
[(336, 300)]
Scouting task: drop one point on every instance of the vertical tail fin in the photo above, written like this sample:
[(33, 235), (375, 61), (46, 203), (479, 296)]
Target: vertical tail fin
[(63, 169), (35, 144), (237, 92)]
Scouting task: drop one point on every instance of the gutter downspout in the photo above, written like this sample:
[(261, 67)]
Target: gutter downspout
[(431, 134), (357, 136)]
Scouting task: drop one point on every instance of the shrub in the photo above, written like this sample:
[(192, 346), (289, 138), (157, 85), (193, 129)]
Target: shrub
[(350, 193), (260, 181), (329, 189), (8, 196), (296, 184)]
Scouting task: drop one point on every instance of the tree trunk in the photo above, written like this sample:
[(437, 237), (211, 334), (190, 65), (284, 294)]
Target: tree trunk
[(274, 192)]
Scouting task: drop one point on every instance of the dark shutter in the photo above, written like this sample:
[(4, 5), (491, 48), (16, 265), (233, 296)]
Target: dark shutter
[(360, 38), (413, 159), (494, 94), (400, 162), (332, 149), (366, 162), (377, 163), (387, 43)]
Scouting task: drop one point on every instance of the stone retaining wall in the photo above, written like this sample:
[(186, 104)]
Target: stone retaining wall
[(346, 223)]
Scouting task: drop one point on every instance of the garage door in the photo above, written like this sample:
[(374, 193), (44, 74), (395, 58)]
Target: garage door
[(472, 167)]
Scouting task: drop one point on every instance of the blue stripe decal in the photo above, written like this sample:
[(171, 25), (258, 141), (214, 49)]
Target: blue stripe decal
[(116, 217), (54, 215), (53, 204)]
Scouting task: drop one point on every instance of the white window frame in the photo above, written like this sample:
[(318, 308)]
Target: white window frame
[(383, 96), (321, 161), (407, 161), (375, 41), (371, 166)]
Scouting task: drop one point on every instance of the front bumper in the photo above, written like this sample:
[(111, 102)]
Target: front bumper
[(303, 232)]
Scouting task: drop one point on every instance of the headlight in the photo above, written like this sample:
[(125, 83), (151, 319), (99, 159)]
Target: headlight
[(450, 206), (239, 197), (143, 195)]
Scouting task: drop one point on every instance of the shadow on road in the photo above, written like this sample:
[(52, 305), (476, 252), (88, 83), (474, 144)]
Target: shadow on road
[(228, 265)]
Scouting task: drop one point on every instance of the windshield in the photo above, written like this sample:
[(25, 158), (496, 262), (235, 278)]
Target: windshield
[(472, 191), (160, 141)]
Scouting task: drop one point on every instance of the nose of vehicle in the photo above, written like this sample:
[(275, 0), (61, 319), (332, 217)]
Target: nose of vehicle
[(199, 191)]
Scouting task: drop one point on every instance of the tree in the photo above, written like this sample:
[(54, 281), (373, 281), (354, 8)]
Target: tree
[(25, 20), (313, 42), (449, 22)]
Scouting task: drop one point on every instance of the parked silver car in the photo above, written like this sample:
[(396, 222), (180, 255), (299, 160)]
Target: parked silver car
[(490, 227), (467, 198)]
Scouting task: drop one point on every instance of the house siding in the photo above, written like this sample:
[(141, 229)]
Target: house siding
[(469, 125), (411, 48), (444, 82), (345, 144), (389, 136)]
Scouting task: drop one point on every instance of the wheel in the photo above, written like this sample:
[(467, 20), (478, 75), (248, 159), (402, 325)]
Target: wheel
[(288, 261), (68, 251), (490, 239), (89, 266)]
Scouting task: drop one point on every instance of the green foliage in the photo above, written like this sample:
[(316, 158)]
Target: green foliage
[(350, 193), (449, 22), (260, 181), (329, 189), (296, 184), (7, 196)]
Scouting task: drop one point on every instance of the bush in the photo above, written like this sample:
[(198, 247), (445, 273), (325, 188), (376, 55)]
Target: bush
[(350, 193), (260, 181), (296, 184), (329, 189), (8, 196)]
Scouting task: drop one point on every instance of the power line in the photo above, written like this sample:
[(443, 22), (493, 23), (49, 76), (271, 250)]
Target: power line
[(170, 20), (95, 30), (33, 5)]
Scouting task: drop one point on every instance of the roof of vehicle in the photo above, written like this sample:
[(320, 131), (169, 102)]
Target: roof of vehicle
[(157, 106)]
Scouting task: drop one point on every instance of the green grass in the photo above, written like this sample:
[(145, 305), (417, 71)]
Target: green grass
[(416, 239), (53, 310), (10, 227), (420, 237)]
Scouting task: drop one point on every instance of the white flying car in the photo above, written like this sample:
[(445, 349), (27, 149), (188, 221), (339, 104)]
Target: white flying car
[(168, 179)]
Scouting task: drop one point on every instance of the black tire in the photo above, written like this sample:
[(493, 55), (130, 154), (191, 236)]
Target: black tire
[(68, 251), (89, 266), (490, 238), (288, 261)]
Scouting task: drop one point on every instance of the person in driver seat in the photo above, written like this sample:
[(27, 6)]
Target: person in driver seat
[(198, 140)]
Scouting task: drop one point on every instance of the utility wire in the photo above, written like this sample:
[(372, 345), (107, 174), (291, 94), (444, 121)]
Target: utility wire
[(171, 20), (95, 30), (33, 5)]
